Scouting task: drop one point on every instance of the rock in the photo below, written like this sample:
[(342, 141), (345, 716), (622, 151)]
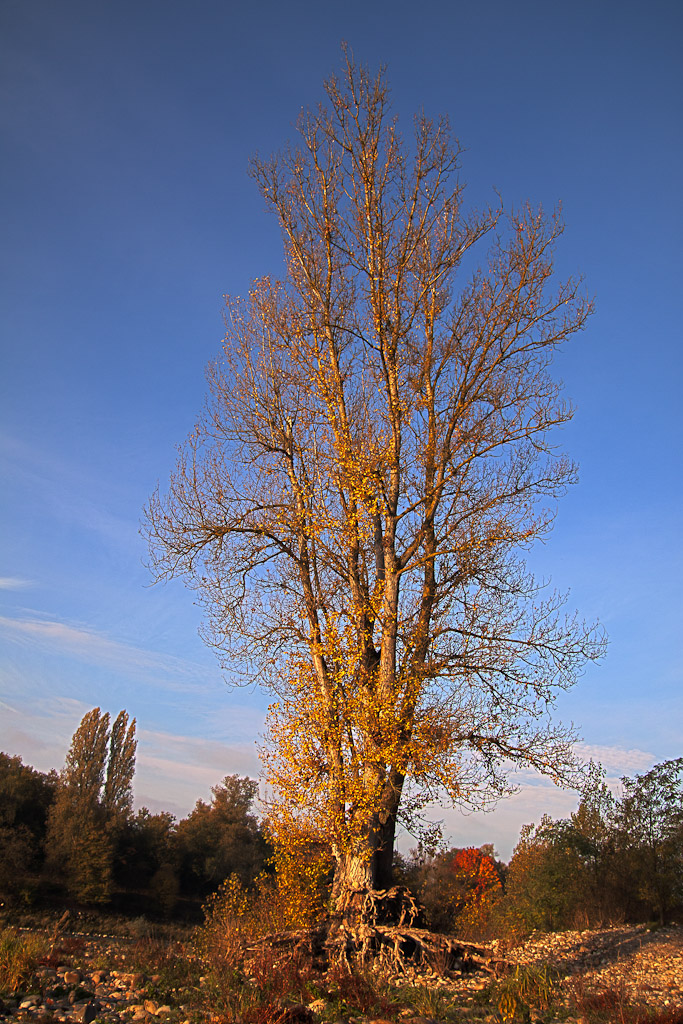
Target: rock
[(72, 977), (30, 1001), (150, 1006), (99, 976), (86, 1013), (163, 1010)]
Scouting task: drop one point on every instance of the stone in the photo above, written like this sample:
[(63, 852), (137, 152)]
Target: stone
[(150, 1006), (86, 1013), (72, 977), (30, 1001)]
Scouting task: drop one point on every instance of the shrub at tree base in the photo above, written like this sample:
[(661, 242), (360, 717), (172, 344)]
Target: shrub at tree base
[(294, 896), (460, 889)]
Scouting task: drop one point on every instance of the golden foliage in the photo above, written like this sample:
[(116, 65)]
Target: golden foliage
[(294, 895), (375, 452)]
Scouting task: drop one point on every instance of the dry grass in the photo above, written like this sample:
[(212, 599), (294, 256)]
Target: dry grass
[(20, 954)]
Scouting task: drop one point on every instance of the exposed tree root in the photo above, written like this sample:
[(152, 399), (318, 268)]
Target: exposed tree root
[(380, 927)]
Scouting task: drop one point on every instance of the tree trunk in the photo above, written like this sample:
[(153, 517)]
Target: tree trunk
[(385, 830), (352, 873), (360, 872)]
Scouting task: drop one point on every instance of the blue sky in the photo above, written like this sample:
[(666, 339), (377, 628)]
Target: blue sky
[(128, 212)]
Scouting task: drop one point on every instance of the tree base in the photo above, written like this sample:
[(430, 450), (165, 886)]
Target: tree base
[(380, 927)]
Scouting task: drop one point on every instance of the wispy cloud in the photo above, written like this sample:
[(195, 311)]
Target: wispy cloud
[(67, 490), (40, 733), (88, 645), (14, 583), (174, 771), (617, 761)]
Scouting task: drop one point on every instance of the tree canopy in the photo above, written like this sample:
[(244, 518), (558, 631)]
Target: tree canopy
[(375, 456)]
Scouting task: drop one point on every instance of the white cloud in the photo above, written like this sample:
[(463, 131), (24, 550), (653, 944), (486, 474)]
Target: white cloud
[(95, 648), (617, 760), (14, 583)]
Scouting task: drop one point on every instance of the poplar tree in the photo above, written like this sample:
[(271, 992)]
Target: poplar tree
[(86, 759), (374, 458), (118, 785), (93, 799)]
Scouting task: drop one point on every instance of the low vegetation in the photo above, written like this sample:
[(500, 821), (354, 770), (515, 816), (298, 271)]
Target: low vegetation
[(206, 895), (19, 956), (272, 987)]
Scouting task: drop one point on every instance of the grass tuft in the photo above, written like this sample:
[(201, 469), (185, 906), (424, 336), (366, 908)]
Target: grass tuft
[(19, 957)]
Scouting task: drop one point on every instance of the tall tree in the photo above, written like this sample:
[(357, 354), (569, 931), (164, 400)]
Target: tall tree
[(374, 455), (222, 838), (118, 785), (93, 801), (86, 759)]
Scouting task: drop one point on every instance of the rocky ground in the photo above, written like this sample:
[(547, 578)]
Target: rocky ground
[(98, 981), (93, 982), (647, 965)]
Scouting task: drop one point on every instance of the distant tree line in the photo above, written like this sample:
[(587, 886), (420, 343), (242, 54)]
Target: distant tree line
[(74, 836), (615, 859)]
